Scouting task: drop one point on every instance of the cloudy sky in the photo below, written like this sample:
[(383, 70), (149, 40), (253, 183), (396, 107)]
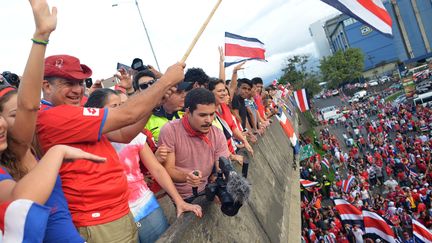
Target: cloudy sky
[(102, 35)]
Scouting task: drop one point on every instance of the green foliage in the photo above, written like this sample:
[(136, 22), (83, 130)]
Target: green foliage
[(296, 74), (342, 67)]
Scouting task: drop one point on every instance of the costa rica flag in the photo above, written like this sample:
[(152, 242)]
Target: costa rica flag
[(239, 48), (348, 212), (346, 184), (301, 100), (370, 12), (326, 163), (289, 131), (421, 233), (375, 224), (307, 183)]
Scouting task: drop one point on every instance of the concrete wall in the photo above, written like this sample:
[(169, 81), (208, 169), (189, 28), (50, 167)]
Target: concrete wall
[(272, 213)]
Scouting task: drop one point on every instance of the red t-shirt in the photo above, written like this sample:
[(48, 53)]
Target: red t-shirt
[(97, 193), (258, 102)]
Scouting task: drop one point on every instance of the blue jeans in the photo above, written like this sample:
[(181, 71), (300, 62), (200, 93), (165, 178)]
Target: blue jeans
[(151, 227)]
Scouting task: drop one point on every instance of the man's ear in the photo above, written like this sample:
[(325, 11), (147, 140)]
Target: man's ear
[(187, 111), (46, 88)]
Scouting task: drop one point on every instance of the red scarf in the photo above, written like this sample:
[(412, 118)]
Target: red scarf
[(191, 132)]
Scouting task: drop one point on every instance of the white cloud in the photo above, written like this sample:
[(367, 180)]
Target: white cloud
[(100, 35)]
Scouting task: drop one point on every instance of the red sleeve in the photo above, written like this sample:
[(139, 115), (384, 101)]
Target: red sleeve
[(69, 124)]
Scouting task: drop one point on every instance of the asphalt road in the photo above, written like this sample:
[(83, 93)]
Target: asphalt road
[(334, 100)]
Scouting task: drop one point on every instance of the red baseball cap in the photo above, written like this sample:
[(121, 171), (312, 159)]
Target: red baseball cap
[(67, 67)]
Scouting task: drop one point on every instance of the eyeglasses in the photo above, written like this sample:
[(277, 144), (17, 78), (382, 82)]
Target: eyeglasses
[(144, 86)]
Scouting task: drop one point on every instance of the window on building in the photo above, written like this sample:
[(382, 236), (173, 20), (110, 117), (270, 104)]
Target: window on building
[(349, 21)]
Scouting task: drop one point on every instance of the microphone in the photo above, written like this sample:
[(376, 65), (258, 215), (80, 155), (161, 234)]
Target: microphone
[(237, 186), (195, 189)]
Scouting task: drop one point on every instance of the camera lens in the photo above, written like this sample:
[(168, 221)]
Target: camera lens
[(11, 78)]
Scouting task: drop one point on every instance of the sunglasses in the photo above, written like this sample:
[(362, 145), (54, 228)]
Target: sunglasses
[(144, 86)]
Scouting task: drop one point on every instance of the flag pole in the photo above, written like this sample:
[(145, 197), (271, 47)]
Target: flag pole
[(198, 35), (148, 37)]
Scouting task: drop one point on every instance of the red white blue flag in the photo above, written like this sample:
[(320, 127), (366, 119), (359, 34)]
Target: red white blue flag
[(301, 100), (348, 213), (421, 233), (326, 163), (374, 224), (239, 48), (23, 221), (346, 184), (307, 183), (370, 12), (289, 131)]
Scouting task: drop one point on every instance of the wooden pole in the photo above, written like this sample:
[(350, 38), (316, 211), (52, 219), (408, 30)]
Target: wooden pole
[(198, 35)]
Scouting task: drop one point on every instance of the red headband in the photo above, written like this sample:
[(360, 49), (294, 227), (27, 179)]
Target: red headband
[(5, 91)]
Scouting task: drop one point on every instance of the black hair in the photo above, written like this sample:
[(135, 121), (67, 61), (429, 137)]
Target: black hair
[(145, 73), (241, 81), (98, 98), (213, 82), (257, 80), (198, 75), (199, 96)]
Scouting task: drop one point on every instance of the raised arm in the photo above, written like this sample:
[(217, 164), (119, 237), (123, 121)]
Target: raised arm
[(233, 84), (37, 185), (29, 90), (221, 63), (141, 105)]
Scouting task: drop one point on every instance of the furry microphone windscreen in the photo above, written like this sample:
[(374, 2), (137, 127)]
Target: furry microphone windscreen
[(239, 187)]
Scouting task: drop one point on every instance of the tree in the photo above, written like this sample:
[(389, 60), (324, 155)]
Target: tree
[(296, 74), (342, 67)]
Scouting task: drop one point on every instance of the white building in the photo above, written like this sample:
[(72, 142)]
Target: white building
[(319, 38)]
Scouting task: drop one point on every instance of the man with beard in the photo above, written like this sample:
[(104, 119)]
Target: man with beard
[(194, 143)]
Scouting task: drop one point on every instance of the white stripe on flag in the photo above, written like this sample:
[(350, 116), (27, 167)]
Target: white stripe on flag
[(375, 224), (364, 14), (305, 99), (421, 232), (25, 219), (18, 212), (347, 216), (297, 100), (245, 43)]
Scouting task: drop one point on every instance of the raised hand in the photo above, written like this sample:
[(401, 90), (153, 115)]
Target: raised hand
[(175, 73), (125, 79), (221, 54), (154, 71), (45, 20), (96, 85), (239, 67)]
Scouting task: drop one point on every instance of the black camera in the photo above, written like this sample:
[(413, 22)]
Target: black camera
[(11, 78), (88, 82), (137, 65), (231, 189)]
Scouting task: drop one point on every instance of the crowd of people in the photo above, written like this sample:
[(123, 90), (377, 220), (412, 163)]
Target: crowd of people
[(89, 164), (386, 148)]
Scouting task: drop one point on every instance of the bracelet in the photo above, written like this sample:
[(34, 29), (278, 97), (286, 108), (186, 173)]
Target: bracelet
[(40, 42)]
